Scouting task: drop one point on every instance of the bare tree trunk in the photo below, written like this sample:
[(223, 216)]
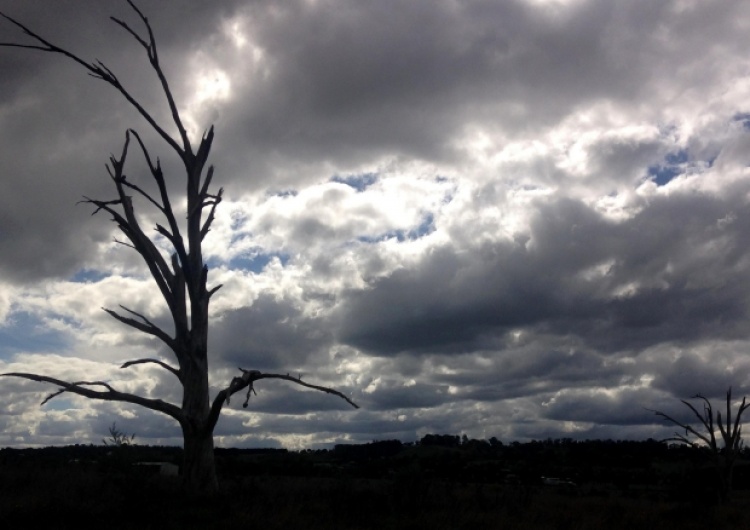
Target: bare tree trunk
[(198, 470), (198, 467), (726, 467)]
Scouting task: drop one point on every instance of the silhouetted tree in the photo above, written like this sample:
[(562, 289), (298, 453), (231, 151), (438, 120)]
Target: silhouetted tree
[(441, 440), (181, 277), (118, 438), (731, 434)]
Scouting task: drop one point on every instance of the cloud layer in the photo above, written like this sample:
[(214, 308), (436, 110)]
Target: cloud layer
[(521, 219)]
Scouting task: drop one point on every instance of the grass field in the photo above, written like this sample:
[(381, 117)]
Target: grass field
[(80, 498)]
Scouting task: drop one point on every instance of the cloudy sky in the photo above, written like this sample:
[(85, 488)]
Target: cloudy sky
[(511, 218)]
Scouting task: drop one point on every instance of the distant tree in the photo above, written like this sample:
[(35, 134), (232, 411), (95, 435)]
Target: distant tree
[(118, 438), (476, 446), (181, 277), (724, 457), (441, 440), (494, 442)]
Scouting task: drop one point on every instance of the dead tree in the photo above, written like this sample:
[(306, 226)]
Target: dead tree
[(723, 457), (181, 277)]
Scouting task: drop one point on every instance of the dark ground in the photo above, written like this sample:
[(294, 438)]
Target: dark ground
[(79, 500), (376, 486)]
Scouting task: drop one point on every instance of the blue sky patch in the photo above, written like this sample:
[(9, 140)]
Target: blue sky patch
[(674, 164), (680, 157), (425, 227), (88, 276), (662, 175), (237, 222), (283, 193), (400, 235), (358, 182), (24, 332), (59, 403), (256, 262), (743, 118)]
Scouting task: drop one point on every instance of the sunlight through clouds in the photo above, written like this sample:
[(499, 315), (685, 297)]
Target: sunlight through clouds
[(210, 87)]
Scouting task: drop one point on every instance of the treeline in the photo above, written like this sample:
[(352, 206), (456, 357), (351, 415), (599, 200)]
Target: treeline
[(592, 464), (560, 451), (460, 458), (647, 468)]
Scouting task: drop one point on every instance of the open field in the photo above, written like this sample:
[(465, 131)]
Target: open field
[(85, 498)]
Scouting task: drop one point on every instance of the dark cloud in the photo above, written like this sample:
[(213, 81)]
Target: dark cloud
[(626, 407), (708, 373), (392, 394), (269, 335), (363, 80), (672, 272)]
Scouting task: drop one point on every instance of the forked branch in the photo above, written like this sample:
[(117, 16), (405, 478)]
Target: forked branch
[(99, 70), (688, 430), (153, 57), (731, 432), (109, 394), (247, 380)]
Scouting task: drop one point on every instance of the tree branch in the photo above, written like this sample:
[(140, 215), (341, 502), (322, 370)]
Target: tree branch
[(103, 205), (210, 219), (110, 394), (153, 58), (730, 433), (146, 326), (129, 225), (100, 71), (737, 432), (144, 194), (687, 428), (154, 361), (166, 209), (248, 378), (299, 381), (125, 244)]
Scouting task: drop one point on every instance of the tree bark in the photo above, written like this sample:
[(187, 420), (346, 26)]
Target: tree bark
[(198, 467), (199, 470), (725, 467)]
